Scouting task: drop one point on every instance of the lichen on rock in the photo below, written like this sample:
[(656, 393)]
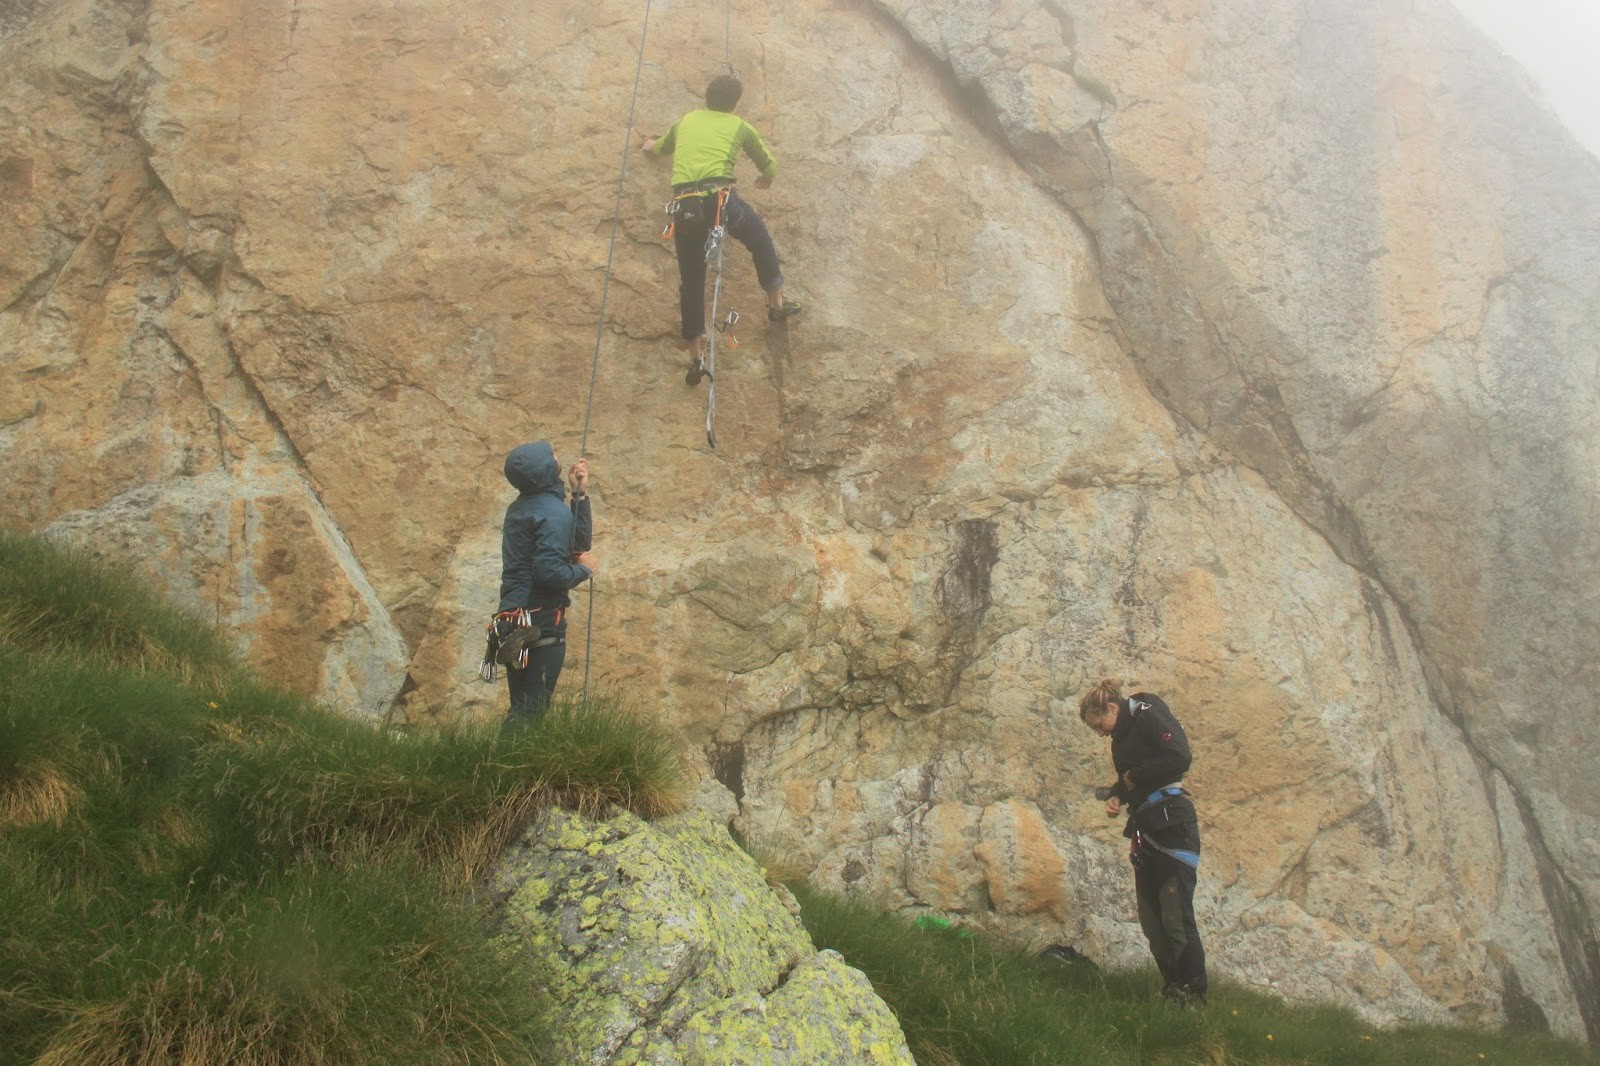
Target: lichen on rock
[(663, 944)]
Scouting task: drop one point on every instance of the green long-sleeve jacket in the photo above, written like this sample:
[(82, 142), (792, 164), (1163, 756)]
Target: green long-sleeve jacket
[(705, 143)]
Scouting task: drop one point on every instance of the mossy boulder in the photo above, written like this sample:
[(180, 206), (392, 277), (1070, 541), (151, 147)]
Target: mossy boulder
[(665, 945)]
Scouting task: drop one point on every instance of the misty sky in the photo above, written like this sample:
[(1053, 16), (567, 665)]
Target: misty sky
[(1558, 42)]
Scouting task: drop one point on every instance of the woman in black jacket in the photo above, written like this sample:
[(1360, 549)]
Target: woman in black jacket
[(1151, 755)]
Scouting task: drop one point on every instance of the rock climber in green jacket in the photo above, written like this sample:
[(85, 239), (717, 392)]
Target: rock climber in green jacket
[(704, 145)]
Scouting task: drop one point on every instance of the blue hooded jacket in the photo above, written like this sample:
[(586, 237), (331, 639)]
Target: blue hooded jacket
[(540, 533)]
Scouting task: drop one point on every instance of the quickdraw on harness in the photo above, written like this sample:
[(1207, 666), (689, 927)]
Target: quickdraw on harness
[(512, 635), (690, 202)]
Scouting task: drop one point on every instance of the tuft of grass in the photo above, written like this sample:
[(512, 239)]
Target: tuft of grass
[(108, 751), (290, 781), (601, 754), (37, 793), (962, 1000), (59, 601)]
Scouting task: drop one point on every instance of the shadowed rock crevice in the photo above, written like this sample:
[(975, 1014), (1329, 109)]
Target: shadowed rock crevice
[(1579, 946), (1523, 1013), (964, 593), (727, 766)]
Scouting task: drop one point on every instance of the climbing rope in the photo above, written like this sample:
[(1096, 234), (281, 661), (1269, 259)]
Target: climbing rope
[(600, 326), (616, 224), (714, 242)]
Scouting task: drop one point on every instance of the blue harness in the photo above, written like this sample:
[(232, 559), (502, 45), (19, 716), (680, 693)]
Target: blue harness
[(1190, 859)]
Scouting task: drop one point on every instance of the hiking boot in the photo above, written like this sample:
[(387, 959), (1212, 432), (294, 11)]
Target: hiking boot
[(1179, 996), (778, 314)]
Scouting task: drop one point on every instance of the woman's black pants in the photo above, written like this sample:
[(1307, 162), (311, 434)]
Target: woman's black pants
[(1165, 888)]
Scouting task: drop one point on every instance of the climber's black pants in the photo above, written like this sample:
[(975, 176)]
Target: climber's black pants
[(742, 224)]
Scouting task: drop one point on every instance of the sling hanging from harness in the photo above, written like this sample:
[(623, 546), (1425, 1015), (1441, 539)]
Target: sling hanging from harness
[(691, 206), (714, 242)]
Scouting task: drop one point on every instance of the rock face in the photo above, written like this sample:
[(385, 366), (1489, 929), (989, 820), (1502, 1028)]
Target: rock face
[(1246, 349), (667, 947)]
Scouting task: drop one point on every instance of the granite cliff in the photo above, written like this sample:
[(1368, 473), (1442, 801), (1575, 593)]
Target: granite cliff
[(1247, 349)]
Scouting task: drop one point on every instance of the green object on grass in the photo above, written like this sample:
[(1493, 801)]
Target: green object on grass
[(925, 922)]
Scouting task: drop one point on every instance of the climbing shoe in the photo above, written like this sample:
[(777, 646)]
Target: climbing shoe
[(697, 370), (778, 314)]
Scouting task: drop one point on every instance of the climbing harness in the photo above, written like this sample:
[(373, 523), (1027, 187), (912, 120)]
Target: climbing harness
[(512, 635), (1154, 814), (1141, 841), (690, 204)]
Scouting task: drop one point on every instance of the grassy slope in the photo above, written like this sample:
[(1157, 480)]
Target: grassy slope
[(964, 1001), (195, 867)]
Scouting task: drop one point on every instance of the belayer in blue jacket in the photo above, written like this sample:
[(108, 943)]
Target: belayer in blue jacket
[(544, 553)]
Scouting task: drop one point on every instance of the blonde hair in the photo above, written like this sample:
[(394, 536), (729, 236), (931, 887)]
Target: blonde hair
[(1098, 700)]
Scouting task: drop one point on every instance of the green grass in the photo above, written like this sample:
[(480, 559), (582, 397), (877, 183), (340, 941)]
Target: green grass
[(198, 868), (376, 962), (962, 1000), (56, 600)]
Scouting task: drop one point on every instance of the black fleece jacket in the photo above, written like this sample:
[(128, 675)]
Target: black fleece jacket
[(1148, 747)]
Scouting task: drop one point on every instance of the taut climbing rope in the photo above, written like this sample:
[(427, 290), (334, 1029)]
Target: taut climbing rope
[(600, 326)]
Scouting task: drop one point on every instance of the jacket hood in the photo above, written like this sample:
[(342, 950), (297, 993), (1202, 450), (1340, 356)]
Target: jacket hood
[(533, 468)]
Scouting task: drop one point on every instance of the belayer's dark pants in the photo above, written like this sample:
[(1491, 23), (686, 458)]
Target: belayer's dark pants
[(1165, 888), (742, 224), (533, 685)]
